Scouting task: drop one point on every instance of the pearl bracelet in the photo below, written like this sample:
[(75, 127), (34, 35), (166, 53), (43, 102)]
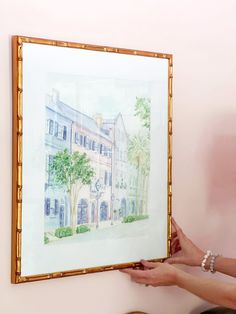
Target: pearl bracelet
[(212, 263), (204, 260)]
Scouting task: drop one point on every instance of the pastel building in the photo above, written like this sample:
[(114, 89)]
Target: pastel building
[(89, 137), (58, 128), (120, 165), (113, 191)]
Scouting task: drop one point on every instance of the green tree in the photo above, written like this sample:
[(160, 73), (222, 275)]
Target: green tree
[(139, 156), (71, 171), (143, 110)]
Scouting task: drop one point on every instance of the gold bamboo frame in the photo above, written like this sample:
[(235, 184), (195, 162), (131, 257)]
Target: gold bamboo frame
[(17, 74)]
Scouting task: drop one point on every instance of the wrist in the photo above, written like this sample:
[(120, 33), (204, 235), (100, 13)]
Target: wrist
[(219, 261), (199, 258), (181, 277)]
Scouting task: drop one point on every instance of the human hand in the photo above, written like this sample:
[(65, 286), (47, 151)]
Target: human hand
[(154, 274), (189, 253)]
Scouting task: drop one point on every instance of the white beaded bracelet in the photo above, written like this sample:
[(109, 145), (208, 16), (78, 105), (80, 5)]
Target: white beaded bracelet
[(204, 260), (212, 263)]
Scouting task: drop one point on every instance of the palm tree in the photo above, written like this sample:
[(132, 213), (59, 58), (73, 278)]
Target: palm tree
[(139, 156)]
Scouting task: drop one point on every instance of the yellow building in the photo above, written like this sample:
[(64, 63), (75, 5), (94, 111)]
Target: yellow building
[(94, 200)]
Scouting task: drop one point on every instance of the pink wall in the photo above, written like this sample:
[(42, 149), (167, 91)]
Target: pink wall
[(201, 35)]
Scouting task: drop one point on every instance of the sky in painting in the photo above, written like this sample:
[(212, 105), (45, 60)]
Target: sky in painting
[(106, 96)]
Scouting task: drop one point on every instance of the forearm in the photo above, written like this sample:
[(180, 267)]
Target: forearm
[(216, 292), (226, 266)]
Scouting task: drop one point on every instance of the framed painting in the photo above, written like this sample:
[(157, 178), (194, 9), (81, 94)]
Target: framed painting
[(92, 158)]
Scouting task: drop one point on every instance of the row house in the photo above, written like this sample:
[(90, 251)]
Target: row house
[(58, 128), (113, 191)]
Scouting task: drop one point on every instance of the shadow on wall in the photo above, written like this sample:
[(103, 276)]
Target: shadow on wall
[(221, 165), (137, 312), (201, 308), (213, 310)]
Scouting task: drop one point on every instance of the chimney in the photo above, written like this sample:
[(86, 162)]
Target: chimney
[(99, 119), (55, 95)]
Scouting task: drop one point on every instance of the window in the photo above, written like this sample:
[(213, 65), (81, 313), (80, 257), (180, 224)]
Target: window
[(82, 212), (104, 211), (47, 206), (105, 178), (81, 140), (64, 133), (56, 207), (85, 141), (60, 132), (110, 179), (76, 138), (50, 127), (90, 144), (56, 129), (93, 145), (100, 148)]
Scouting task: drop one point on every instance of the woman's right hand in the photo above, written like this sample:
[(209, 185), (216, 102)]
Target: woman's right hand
[(183, 250)]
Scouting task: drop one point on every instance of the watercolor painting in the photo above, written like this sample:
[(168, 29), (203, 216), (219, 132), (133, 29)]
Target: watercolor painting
[(92, 158), (97, 155)]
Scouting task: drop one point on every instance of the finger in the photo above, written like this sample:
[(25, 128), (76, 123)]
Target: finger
[(175, 241), (143, 281), (179, 231), (176, 260), (134, 273), (176, 248), (149, 265), (176, 226), (173, 224), (176, 251), (136, 277), (173, 234)]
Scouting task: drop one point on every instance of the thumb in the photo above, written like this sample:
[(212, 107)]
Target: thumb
[(176, 260)]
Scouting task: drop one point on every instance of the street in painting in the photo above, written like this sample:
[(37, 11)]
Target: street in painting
[(96, 170)]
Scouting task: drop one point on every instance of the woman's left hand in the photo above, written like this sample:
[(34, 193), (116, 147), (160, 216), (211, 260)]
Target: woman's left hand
[(154, 274)]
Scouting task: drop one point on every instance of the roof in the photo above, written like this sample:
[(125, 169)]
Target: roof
[(78, 117)]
